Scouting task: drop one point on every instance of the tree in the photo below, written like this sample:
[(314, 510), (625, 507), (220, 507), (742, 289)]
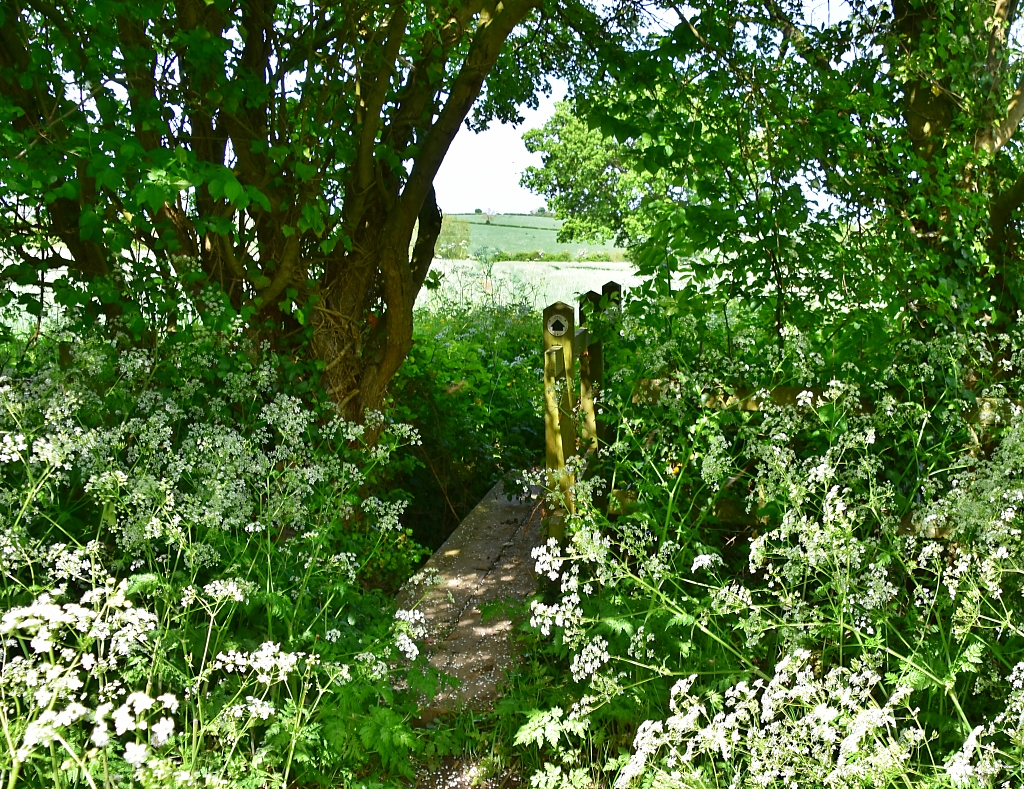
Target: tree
[(590, 181), (265, 156), (869, 157)]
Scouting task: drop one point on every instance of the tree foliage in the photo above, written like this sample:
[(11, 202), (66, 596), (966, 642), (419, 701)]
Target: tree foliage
[(589, 180), (868, 153), (262, 158)]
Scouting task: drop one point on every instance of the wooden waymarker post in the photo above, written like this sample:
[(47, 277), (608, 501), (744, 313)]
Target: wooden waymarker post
[(559, 427), (564, 347)]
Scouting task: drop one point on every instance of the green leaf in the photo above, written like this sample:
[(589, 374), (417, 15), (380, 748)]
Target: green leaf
[(305, 171), (216, 188), (258, 197), (233, 190)]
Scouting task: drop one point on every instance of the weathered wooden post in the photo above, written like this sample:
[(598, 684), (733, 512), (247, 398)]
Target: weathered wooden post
[(564, 346), (611, 296), (559, 404), (591, 376)]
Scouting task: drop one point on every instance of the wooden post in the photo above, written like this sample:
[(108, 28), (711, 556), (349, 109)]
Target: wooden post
[(559, 425), (591, 377), (611, 294)]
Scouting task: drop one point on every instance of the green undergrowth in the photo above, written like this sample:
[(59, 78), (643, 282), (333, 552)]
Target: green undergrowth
[(199, 560), (471, 386), (817, 588)]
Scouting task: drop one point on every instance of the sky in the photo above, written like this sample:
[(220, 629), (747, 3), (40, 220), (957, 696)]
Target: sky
[(482, 170)]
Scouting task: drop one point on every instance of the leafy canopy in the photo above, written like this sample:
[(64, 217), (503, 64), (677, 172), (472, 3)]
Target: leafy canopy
[(869, 154)]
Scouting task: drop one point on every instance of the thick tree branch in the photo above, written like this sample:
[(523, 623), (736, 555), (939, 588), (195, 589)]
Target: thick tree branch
[(371, 105), (287, 267), (430, 220), (1003, 15), (418, 96), (249, 124), (45, 262), (991, 140), (494, 27)]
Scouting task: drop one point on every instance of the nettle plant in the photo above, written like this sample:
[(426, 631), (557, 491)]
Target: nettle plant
[(819, 590), (186, 553)]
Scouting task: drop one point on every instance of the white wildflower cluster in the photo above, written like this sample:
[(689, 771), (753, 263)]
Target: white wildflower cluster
[(236, 589), (386, 513), (593, 549), (717, 461), (409, 625), (290, 419), (255, 709), (404, 435), (406, 646), (805, 543), (426, 578), (134, 362), (345, 566), (566, 615), (16, 550), (216, 476), (875, 588), (111, 619), (793, 730), (371, 667), (75, 563), (548, 562), (640, 644), (134, 714), (590, 659), (982, 760), (985, 504), (194, 498), (74, 653), (13, 447), (414, 621), (268, 664), (706, 561)]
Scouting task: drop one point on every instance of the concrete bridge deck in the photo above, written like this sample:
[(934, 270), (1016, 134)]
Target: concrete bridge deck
[(486, 559)]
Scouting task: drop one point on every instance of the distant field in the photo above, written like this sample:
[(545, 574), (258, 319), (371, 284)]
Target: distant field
[(539, 284), (523, 233)]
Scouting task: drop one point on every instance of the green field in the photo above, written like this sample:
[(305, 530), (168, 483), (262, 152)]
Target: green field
[(523, 233)]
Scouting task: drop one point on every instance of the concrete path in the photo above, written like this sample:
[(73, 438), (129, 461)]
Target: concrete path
[(487, 558)]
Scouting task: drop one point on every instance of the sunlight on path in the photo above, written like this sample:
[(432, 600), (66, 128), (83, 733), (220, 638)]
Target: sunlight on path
[(486, 559)]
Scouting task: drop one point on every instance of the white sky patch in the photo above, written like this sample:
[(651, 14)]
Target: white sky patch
[(483, 170)]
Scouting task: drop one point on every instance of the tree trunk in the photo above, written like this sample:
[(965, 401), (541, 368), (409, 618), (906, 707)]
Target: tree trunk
[(362, 325)]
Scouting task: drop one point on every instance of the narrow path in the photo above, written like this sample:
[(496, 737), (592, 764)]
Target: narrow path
[(486, 559)]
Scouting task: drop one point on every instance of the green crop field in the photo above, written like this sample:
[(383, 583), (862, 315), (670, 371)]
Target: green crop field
[(523, 233)]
